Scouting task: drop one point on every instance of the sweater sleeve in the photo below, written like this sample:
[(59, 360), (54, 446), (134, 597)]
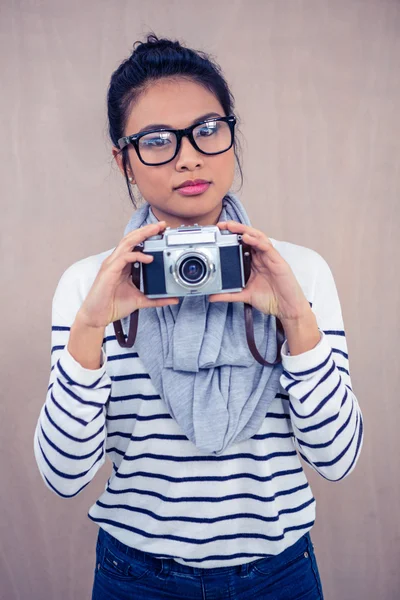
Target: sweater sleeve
[(69, 440), (325, 415)]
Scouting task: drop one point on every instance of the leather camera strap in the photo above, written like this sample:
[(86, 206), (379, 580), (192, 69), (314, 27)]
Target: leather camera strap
[(133, 326), (248, 314), (248, 317)]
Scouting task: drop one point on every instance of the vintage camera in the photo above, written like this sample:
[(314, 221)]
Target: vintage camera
[(193, 260)]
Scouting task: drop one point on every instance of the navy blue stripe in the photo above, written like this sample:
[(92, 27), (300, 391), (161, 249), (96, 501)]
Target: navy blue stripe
[(122, 356), (227, 557), (326, 421), (212, 499), (151, 436), (282, 396), (323, 378), (344, 370), (343, 452), (81, 421), (213, 557), (66, 475), (65, 495), (288, 375), (209, 478), (71, 437), (76, 397), (183, 438), (309, 371), (50, 386), (320, 405), (272, 415), (360, 437), (71, 456), (312, 465), (340, 352), (59, 328), (54, 348), (97, 415), (135, 397), (110, 338), (138, 417), (294, 382), (130, 377), (157, 517), (208, 558), (326, 444), (73, 382), (334, 332), (266, 436), (216, 538), (210, 458)]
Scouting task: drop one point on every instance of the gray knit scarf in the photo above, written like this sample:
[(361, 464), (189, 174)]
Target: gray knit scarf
[(197, 356)]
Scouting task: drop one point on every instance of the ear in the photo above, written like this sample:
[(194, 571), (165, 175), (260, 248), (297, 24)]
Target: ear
[(117, 154)]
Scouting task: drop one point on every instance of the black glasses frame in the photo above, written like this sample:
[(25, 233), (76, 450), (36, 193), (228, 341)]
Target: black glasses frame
[(180, 133)]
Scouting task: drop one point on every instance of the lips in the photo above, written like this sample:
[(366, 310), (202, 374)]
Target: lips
[(193, 189), (190, 182)]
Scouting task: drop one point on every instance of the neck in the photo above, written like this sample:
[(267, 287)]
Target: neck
[(174, 221)]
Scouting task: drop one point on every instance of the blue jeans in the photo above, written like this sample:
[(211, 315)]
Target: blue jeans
[(124, 573)]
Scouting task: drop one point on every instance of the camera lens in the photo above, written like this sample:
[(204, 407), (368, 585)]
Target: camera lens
[(192, 270)]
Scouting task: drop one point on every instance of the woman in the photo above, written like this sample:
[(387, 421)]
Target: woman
[(207, 498)]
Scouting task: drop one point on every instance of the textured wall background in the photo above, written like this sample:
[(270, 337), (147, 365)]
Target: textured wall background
[(317, 85)]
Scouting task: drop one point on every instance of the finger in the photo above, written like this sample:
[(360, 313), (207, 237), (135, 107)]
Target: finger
[(144, 232), (264, 246), (130, 257), (156, 302), (236, 227), (229, 297), (137, 236), (258, 242), (117, 266)]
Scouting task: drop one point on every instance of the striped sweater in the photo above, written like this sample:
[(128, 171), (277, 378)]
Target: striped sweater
[(166, 497)]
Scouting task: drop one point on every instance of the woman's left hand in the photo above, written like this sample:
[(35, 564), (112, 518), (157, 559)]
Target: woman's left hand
[(272, 287)]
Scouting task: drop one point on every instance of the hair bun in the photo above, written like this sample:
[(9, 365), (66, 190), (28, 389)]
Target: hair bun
[(153, 42)]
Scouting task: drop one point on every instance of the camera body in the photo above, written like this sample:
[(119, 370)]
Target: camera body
[(193, 260)]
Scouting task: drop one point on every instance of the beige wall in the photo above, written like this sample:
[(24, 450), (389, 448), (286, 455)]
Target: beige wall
[(317, 84)]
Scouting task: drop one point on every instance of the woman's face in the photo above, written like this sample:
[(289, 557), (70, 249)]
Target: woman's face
[(178, 104)]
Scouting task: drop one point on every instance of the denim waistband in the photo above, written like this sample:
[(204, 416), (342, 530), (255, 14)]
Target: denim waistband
[(169, 564)]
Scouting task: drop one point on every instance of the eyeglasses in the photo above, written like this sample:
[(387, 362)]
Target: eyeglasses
[(160, 146)]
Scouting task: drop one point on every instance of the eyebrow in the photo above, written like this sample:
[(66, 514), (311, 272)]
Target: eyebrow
[(157, 125)]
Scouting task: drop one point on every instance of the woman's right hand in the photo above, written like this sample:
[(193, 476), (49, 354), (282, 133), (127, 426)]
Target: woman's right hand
[(113, 295)]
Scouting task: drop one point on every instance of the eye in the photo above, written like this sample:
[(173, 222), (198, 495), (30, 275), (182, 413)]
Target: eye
[(157, 141), (207, 129)]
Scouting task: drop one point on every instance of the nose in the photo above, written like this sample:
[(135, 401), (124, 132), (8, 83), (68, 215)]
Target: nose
[(188, 157)]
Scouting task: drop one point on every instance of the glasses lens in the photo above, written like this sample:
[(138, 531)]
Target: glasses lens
[(213, 137), (157, 147)]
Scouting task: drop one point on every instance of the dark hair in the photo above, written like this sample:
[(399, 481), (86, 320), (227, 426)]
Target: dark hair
[(153, 60)]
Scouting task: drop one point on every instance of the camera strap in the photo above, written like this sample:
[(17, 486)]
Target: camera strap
[(248, 314), (248, 317), (133, 326)]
